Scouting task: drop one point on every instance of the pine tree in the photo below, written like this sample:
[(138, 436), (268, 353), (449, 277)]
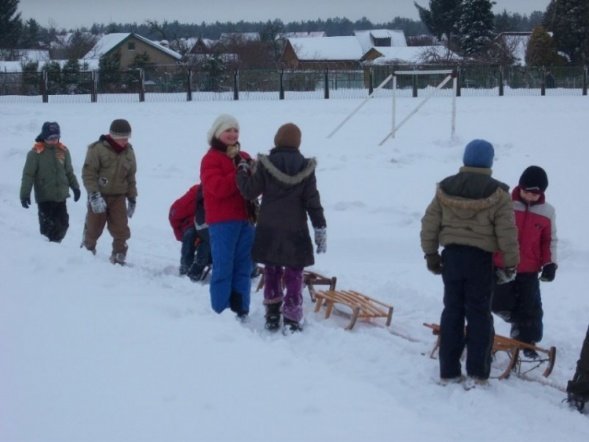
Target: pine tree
[(10, 24), (541, 50), (568, 20), (476, 27), (442, 17)]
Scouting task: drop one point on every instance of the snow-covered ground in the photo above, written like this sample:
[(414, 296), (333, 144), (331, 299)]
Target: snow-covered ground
[(95, 352)]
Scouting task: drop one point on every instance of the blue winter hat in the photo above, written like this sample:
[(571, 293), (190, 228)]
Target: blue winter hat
[(478, 153), (50, 130)]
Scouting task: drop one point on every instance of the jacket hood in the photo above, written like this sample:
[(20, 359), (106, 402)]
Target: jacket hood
[(465, 208)]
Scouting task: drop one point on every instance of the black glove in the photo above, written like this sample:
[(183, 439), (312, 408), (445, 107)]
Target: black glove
[(131, 203), (548, 272), (26, 202), (434, 263), (76, 194), (505, 274)]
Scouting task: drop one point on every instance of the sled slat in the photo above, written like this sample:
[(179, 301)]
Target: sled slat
[(362, 306)]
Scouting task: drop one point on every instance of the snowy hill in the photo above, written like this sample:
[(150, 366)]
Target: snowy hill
[(95, 352)]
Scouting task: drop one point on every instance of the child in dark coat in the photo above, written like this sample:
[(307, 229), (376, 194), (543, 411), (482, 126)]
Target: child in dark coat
[(187, 219), (286, 180), (518, 301), (48, 170), (578, 387)]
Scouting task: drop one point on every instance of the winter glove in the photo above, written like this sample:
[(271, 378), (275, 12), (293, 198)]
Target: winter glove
[(505, 274), (76, 194), (321, 239), (26, 202), (434, 263), (97, 203), (244, 166), (131, 203), (548, 272)]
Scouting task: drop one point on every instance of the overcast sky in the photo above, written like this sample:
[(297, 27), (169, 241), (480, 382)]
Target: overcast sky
[(76, 13)]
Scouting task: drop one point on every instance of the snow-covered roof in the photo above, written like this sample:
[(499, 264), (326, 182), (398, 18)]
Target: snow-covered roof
[(239, 36), (367, 37), (110, 41), (327, 48), (310, 34), (411, 54), (26, 55), (16, 66)]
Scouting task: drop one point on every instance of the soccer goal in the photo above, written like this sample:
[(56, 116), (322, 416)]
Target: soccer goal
[(448, 75)]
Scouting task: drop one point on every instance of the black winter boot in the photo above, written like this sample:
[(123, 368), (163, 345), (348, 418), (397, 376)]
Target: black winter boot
[(273, 316), (292, 326)]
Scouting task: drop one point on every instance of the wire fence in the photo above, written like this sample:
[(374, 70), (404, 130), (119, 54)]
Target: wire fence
[(177, 83)]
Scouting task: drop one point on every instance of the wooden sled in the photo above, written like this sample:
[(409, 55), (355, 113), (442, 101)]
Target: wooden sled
[(512, 348), (363, 307), (310, 280)]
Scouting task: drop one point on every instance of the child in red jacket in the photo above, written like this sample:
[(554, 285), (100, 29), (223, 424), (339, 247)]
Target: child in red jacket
[(518, 301), (187, 220)]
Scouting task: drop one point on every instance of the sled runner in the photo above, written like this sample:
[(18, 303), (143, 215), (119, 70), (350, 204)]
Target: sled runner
[(310, 280), (363, 307), (512, 347)]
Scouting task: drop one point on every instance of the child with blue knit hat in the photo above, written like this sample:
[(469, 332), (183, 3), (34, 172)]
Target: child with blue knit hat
[(471, 217)]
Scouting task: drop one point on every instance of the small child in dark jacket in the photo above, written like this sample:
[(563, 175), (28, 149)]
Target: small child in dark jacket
[(286, 180), (188, 222), (48, 170), (578, 387), (518, 301)]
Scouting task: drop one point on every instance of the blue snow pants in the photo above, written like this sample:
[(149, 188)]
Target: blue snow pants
[(231, 249)]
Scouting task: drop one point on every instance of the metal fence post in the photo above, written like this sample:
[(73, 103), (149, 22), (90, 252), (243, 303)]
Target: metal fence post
[(414, 86), (543, 83), (585, 80), (458, 83), (281, 91), (326, 88)]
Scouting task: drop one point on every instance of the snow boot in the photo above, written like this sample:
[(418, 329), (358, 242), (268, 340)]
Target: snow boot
[(196, 272), (273, 316), (292, 326), (118, 258)]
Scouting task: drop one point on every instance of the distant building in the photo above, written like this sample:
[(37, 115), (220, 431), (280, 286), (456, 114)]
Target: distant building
[(128, 47)]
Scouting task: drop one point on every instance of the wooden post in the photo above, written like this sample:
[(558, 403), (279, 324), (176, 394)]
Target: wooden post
[(281, 92), (44, 87), (236, 85), (458, 88), (501, 92), (370, 81), (543, 83), (189, 85), (326, 85), (585, 80), (141, 85), (94, 88), (414, 86)]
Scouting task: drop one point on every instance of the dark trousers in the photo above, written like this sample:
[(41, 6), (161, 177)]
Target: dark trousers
[(520, 304), (196, 248), (53, 220), (579, 385), (468, 284)]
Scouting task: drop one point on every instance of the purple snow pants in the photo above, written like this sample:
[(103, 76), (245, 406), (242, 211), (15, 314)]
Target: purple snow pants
[(276, 279)]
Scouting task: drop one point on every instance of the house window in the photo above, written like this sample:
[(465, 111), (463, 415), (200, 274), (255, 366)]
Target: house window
[(131, 46)]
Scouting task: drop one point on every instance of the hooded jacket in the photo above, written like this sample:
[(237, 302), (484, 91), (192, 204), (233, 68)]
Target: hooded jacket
[(286, 180), (110, 172), (48, 169), (471, 208)]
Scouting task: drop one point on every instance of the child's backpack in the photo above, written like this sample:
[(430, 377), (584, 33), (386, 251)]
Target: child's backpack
[(181, 215)]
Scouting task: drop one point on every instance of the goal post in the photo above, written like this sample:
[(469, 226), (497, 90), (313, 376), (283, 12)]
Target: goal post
[(450, 75)]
